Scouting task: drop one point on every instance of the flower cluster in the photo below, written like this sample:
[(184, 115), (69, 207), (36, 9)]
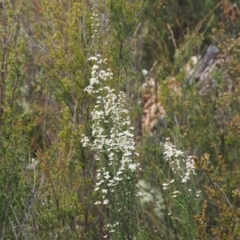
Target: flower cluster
[(111, 131), (94, 27), (113, 141), (185, 195), (98, 75), (179, 164), (183, 167)]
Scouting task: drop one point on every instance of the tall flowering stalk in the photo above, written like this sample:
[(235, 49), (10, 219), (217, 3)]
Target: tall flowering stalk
[(112, 142), (185, 196)]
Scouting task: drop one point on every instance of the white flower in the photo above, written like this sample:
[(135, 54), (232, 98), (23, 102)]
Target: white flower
[(119, 172), (178, 162), (105, 202), (106, 175), (144, 72), (85, 141), (139, 194), (99, 183), (96, 189), (198, 193), (184, 180), (104, 190), (133, 167), (93, 58)]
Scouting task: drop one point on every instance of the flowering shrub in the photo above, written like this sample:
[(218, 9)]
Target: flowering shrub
[(113, 146), (179, 165), (185, 195), (112, 142)]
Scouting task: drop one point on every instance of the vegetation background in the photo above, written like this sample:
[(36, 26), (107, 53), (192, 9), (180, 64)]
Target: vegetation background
[(47, 176)]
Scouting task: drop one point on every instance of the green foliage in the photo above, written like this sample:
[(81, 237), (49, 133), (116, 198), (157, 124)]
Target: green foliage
[(45, 104), (47, 178), (197, 123), (168, 23), (15, 192)]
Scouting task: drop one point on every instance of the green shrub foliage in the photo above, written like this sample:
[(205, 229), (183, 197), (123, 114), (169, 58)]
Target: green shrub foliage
[(157, 52)]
